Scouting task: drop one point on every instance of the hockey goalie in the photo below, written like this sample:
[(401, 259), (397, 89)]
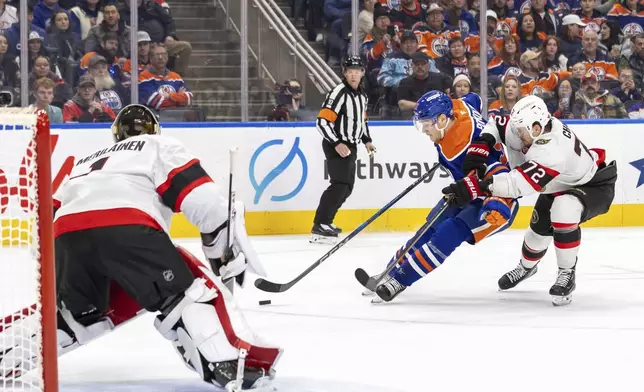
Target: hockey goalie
[(115, 259)]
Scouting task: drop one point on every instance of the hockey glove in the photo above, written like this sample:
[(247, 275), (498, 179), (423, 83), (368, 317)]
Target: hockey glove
[(231, 263), (464, 190), (477, 156), (496, 210)]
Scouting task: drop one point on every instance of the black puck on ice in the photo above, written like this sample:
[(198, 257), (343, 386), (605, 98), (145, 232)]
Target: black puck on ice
[(265, 302)]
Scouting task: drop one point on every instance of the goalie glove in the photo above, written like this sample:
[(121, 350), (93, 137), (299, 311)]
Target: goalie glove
[(231, 262)]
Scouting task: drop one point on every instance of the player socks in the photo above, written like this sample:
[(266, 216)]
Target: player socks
[(431, 251)]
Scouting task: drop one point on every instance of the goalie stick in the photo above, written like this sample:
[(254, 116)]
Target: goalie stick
[(272, 287), (372, 282)]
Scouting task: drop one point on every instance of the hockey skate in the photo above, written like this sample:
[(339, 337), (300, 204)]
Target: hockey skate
[(323, 234), (335, 228), (517, 275), (562, 290), (389, 289)]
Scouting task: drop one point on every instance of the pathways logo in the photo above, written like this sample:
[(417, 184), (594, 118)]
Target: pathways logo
[(639, 165), (278, 170)]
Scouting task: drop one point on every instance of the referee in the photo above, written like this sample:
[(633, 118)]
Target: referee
[(343, 124)]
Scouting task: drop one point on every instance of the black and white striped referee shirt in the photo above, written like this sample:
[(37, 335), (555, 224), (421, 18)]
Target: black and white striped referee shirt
[(343, 118)]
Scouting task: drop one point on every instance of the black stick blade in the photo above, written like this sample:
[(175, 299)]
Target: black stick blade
[(362, 276), (269, 287)]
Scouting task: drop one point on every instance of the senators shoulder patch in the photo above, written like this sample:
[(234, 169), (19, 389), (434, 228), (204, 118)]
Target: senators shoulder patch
[(541, 142)]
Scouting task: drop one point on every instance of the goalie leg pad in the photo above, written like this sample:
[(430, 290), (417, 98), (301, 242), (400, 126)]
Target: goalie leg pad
[(201, 333)]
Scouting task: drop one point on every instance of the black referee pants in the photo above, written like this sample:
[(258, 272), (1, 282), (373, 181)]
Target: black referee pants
[(342, 172)]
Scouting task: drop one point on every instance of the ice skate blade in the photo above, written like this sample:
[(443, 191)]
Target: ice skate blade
[(377, 300), (561, 300), (368, 293), (319, 239)]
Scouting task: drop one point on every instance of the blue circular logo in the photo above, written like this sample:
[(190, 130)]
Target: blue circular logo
[(278, 170)]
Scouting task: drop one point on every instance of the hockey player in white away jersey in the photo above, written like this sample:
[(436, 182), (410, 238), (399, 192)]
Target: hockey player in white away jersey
[(575, 185), (114, 256)]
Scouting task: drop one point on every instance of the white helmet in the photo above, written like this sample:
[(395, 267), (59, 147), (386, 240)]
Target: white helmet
[(528, 111)]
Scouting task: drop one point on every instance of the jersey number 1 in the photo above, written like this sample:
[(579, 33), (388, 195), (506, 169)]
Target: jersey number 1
[(98, 165)]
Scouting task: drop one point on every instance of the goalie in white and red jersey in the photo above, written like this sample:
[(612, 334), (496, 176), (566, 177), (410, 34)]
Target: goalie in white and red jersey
[(114, 256), (575, 185)]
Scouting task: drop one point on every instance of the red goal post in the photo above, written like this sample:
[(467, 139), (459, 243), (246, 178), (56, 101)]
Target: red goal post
[(27, 273)]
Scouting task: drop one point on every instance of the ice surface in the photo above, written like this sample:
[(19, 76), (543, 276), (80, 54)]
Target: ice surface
[(451, 331)]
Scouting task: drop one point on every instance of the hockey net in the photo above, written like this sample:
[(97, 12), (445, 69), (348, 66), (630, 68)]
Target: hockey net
[(27, 274)]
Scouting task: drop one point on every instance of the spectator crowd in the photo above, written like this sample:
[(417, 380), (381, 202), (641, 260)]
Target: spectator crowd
[(79, 57), (584, 57)]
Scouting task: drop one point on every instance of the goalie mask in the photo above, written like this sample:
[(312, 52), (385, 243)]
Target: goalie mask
[(134, 120)]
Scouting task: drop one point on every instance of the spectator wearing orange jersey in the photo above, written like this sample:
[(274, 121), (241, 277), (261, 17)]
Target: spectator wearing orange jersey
[(529, 35), (595, 60), (592, 102), (533, 80), (510, 94), (435, 35), (508, 58), (494, 42)]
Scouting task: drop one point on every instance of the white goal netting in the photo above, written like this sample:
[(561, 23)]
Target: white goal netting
[(21, 359)]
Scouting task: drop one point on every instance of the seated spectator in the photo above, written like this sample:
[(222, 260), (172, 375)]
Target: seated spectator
[(110, 91), (629, 14), (42, 69), (433, 37), (289, 107), (9, 71), (454, 63), (108, 49), (44, 95), (365, 19), (544, 17), (84, 16), (36, 48), (552, 58), (160, 88), (636, 60), (461, 86), (506, 23), (379, 43), (8, 16), (43, 12), (529, 35), (507, 62), (13, 34), (458, 17), (536, 82), (409, 13), (143, 40), (561, 104), (578, 71), (335, 9), (156, 21), (66, 44), (594, 59), (474, 72), (337, 40), (626, 90), (111, 23), (510, 94), (494, 41), (84, 107), (396, 66), (591, 102), (569, 34), (590, 16), (419, 82), (610, 41)]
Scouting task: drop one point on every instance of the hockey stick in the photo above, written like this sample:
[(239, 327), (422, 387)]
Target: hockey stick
[(372, 282), (228, 254), (273, 287)]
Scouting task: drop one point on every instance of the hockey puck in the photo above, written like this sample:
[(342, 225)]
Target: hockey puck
[(265, 302)]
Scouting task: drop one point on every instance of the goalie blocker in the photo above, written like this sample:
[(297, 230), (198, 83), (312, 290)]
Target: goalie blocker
[(114, 258)]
